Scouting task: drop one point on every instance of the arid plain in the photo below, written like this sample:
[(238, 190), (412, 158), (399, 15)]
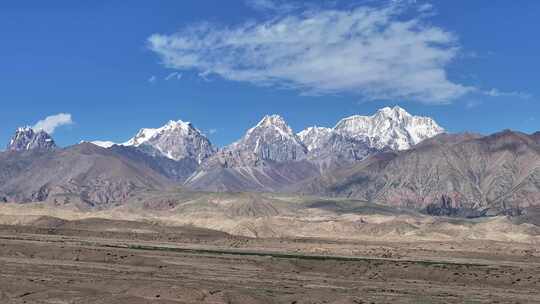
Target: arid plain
[(266, 249)]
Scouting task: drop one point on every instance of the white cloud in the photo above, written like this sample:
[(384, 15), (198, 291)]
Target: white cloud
[(152, 79), (50, 123), (374, 52), (212, 131)]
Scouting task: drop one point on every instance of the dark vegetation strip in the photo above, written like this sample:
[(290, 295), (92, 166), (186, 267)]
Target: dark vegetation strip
[(278, 255), (284, 255)]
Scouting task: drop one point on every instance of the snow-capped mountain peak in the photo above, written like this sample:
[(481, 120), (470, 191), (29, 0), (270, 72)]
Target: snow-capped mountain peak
[(357, 136), (272, 139), (392, 128), (272, 122), (272, 128), (26, 138), (395, 112), (175, 140), (146, 134)]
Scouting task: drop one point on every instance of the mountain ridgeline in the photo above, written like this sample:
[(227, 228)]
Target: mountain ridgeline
[(391, 157)]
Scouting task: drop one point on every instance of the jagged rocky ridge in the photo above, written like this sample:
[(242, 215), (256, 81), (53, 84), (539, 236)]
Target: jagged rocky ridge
[(27, 138), (271, 140)]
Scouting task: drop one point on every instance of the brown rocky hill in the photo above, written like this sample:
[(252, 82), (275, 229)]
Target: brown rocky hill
[(85, 173), (461, 175)]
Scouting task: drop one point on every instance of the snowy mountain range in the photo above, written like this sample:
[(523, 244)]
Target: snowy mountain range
[(272, 140), (269, 157), (357, 158)]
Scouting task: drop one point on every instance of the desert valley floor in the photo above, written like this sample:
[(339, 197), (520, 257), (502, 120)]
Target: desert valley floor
[(84, 259)]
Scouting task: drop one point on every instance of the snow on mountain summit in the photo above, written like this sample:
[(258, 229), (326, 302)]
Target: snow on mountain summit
[(175, 140), (392, 128), (146, 134), (271, 127), (313, 137), (357, 136), (101, 143), (272, 139), (27, 138)]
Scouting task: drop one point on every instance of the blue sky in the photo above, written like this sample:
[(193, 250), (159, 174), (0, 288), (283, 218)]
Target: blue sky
[(472, 65)]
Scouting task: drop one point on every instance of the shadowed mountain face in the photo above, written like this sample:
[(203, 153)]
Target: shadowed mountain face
[(273, 177), (175, 170), (464, 175), (84, 173)]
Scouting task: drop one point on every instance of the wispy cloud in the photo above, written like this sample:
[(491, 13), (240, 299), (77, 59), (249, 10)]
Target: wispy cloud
[(374, 52), (271, 5), (470, 104), (152, 79), (212, 131), (174, 75), (426, 7), (51, 123), (498, 93)]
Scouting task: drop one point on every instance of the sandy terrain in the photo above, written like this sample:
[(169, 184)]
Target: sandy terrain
[(264, 216), (104, 261), (254, 248)]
